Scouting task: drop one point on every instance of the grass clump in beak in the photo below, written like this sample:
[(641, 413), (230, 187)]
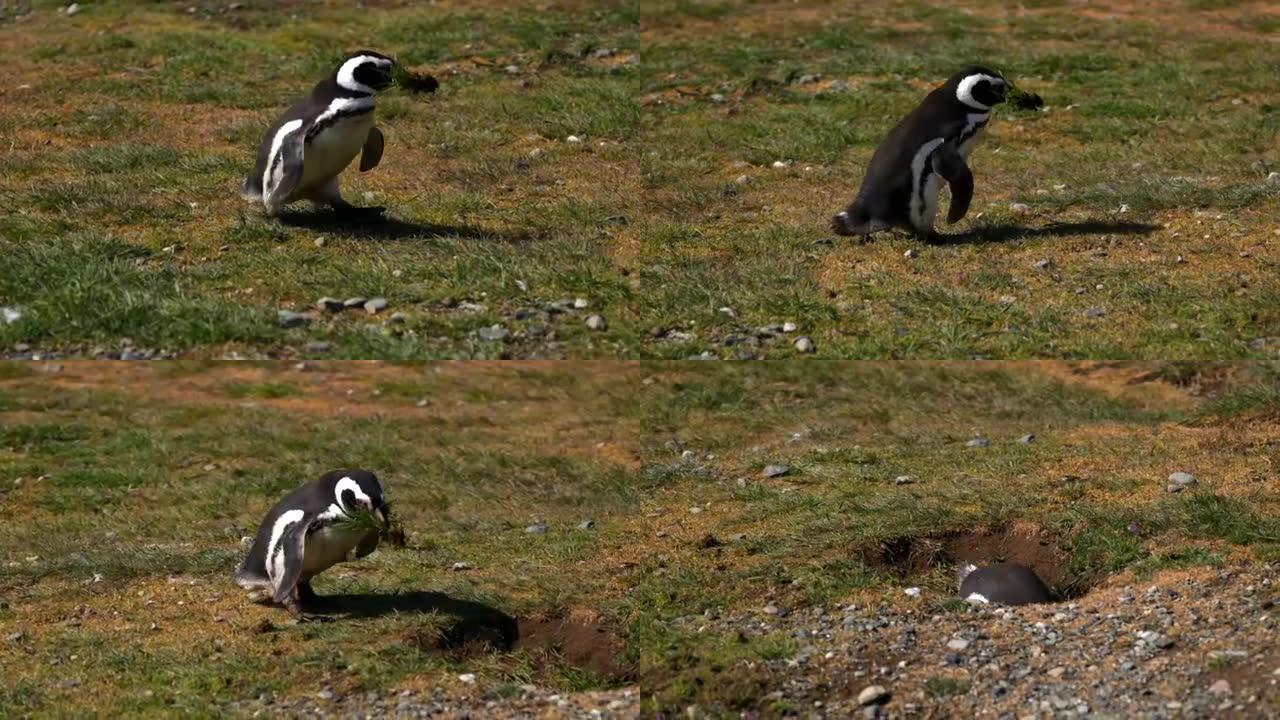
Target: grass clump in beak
[(362, 520), (411, 81)]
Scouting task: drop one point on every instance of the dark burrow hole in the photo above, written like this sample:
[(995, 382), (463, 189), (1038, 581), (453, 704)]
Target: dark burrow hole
[(909, 557), (589, 646)]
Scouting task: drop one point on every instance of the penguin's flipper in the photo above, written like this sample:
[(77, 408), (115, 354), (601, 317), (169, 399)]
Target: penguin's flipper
[(372, 153), (284, 559), (948, 163), (284, 164)]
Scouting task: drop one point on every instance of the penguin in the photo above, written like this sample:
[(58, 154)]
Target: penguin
[(303, 152), (928, 147), (309, 531), (1003, 583)]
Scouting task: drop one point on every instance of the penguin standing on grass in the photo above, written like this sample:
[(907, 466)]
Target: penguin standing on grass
[(304, 151), (339, 517), (929, 147)]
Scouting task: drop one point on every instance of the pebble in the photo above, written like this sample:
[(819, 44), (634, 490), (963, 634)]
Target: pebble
[(1040, 264), (903, 480), (325, 694), (375, 305), (1027, 439), (493, 333), (1180, 481), (772, 471), (321, 241), (789, 327), (10, 315), (805, 345), (330, 304), (1094, 312), (537, 529), (573, 139), (912, 592), (958, 644), (74, 8), (1020, 207), (1222, 687), (354, 302), (459, 566), (772, 609), (910, 253), (291, 319), (467, 678), (873, 695), (581, 303), (596, 322), (978, 442), (586, 524), (1273, 178)]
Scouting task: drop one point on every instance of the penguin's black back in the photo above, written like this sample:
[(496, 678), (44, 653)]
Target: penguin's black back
[(1006, 584), (312, 499)]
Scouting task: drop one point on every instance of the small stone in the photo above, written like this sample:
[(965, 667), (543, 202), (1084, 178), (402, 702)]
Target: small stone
[(1094, 312), (1057, 672), (1019, 208), (467, 678), (321, 241), (958, 644), (375, 305), (1040, 264), (586, 524), (912, 592), (72, 9), (1180, 481), (573, 139), (460, 566), (330, 304), (903, 480), (511, 69), (1273, 178), (773, 471), (805, 345), (1027, 439), (354, 302), (789, 327), (978, 442), (596, 322), (10, 315), (493, 333), (580, 303), (397, 318), (537, 529), (873, 695), (910, 253), (1222, 687), (291, 319), (325, 694)]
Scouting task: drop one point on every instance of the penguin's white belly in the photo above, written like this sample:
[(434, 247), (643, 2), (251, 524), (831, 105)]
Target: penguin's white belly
[(331, 151), (932, 188), (966, 147), (327, 547)]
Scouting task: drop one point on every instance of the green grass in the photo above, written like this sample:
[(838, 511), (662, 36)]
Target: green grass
[(679, 213)]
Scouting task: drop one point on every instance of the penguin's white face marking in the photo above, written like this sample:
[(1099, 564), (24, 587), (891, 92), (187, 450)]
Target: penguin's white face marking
[(925, 185), (275, 551), (274, 173), (971, 84), (346, 484), (347, 73)]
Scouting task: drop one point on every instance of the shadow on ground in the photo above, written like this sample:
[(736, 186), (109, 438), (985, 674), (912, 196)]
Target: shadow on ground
[(1010, 231), (470, 622), (382, 227)]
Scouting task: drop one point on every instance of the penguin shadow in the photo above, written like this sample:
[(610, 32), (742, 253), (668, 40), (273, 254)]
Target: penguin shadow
[(1005, 232), (470, 624), (374, 226)]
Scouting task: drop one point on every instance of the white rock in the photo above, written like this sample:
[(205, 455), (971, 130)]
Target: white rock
[(789, 327), (581, 303), (977, 599), (958, 644), (873, 695), (912, 592), (467, 678), (10, 315), (573, 139), (1020, 207), (1274, 178)]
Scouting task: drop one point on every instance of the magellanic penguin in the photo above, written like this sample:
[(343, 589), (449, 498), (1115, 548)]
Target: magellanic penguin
[(928, 147), (1001, 583), (304, 151), (311, 530)]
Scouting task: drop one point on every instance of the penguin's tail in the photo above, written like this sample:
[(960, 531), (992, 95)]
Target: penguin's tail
[(249, 192), (963, 571)]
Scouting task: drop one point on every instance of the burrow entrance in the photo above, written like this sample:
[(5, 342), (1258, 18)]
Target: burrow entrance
[(914, 556), (585, 645)]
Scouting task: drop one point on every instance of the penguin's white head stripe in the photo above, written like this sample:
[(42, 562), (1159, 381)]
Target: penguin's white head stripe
[(964, 91), (347, 73), (275, 551), (346, 484)]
